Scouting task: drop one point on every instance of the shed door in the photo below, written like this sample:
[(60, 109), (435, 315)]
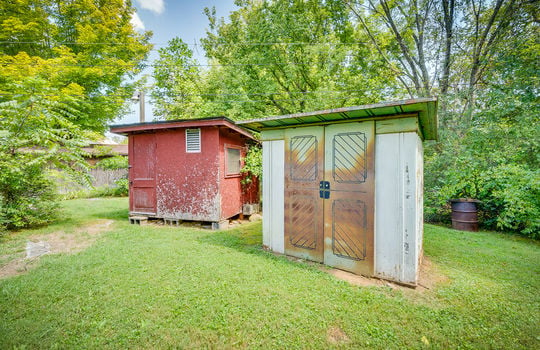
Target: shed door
[(142, 158), (304, 169), (329, 195), (349, 209)]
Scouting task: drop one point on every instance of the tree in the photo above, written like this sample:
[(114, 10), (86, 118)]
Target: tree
[(480, 57), (277, 57), (100, 47), (64, 65), (36, 133), (439, 45), (178, 80)]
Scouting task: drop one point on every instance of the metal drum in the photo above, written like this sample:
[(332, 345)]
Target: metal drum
[(464, 214)]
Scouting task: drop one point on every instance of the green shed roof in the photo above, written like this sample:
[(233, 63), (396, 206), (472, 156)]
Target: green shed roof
[(424, 108)]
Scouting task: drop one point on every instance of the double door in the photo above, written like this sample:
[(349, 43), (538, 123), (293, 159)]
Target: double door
[(329, 195)]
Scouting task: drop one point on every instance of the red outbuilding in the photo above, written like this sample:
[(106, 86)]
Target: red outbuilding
[(188, 169)]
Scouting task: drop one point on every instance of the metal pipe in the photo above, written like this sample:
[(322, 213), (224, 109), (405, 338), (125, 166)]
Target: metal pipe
[(141, 106)]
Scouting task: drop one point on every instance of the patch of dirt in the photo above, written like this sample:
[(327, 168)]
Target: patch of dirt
[(356, 280), (57, 242), (428, 278), (336, 336)]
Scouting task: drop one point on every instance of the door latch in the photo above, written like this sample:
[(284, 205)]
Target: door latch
[(324, 189)]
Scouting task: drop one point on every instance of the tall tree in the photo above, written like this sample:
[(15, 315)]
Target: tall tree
[(96, 37), (446, 42), (63, 73), (279, 57)]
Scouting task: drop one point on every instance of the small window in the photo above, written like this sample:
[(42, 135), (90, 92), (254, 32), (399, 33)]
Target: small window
[(193, 140), (233, 161)]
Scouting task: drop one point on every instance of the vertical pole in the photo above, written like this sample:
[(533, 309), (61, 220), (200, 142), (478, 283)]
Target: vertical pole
[(141, 106)]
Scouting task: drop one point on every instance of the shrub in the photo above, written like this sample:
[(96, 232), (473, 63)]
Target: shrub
[(27, 195), (510, 194), (113, 163), (122, 187)]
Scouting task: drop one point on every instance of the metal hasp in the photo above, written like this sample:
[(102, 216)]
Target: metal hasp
[(351, 195), (324, 189)]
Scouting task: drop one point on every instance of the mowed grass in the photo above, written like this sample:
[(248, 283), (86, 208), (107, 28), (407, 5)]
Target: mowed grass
[(162, 287)]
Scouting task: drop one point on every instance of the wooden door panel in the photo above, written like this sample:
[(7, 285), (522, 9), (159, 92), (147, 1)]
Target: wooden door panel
[(142, 157), (349, 235), (304, 151), (349, 209), (304, 220)]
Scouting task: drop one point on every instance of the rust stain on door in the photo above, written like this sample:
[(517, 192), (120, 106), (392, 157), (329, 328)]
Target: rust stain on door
[(304, 149), (349, 209)]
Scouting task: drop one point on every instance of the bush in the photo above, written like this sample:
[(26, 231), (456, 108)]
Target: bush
[(252, 164), (510, 193), (113, 163), (510, 196), (122, 187), (27, 195)]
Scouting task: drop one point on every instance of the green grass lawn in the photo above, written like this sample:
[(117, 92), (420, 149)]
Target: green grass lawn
[(162, 287)]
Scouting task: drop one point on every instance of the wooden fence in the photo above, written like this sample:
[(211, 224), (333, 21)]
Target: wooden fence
[(100, 178)]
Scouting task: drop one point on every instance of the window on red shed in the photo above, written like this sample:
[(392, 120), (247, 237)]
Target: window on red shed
[(232, 161)]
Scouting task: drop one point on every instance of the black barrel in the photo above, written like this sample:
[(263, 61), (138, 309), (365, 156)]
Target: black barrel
[(465, 214)]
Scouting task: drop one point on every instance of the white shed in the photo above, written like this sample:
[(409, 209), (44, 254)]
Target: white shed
[(344, 186)]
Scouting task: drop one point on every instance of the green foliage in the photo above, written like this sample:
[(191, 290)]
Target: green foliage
[(122, 188), (495, 159), (64, 65), (113, 163), (252, 163), (176, 80), (511, 199), (510, 195), (27, 194), (38, 134), (481, 58), (249, 76), (88, 46)]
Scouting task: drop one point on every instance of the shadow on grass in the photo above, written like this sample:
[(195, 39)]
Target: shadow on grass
[(245, 238)]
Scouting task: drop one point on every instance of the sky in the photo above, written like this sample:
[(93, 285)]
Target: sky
[(168, 19)]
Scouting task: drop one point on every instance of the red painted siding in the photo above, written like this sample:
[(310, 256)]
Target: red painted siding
[(186, 186), (231, 188)]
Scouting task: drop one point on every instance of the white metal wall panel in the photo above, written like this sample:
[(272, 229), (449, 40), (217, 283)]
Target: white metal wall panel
[(398, 210), (273, 194)]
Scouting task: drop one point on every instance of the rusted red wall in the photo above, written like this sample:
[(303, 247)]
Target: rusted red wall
[(188, 183), (250, 191), (231, 188), (195, 186)]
